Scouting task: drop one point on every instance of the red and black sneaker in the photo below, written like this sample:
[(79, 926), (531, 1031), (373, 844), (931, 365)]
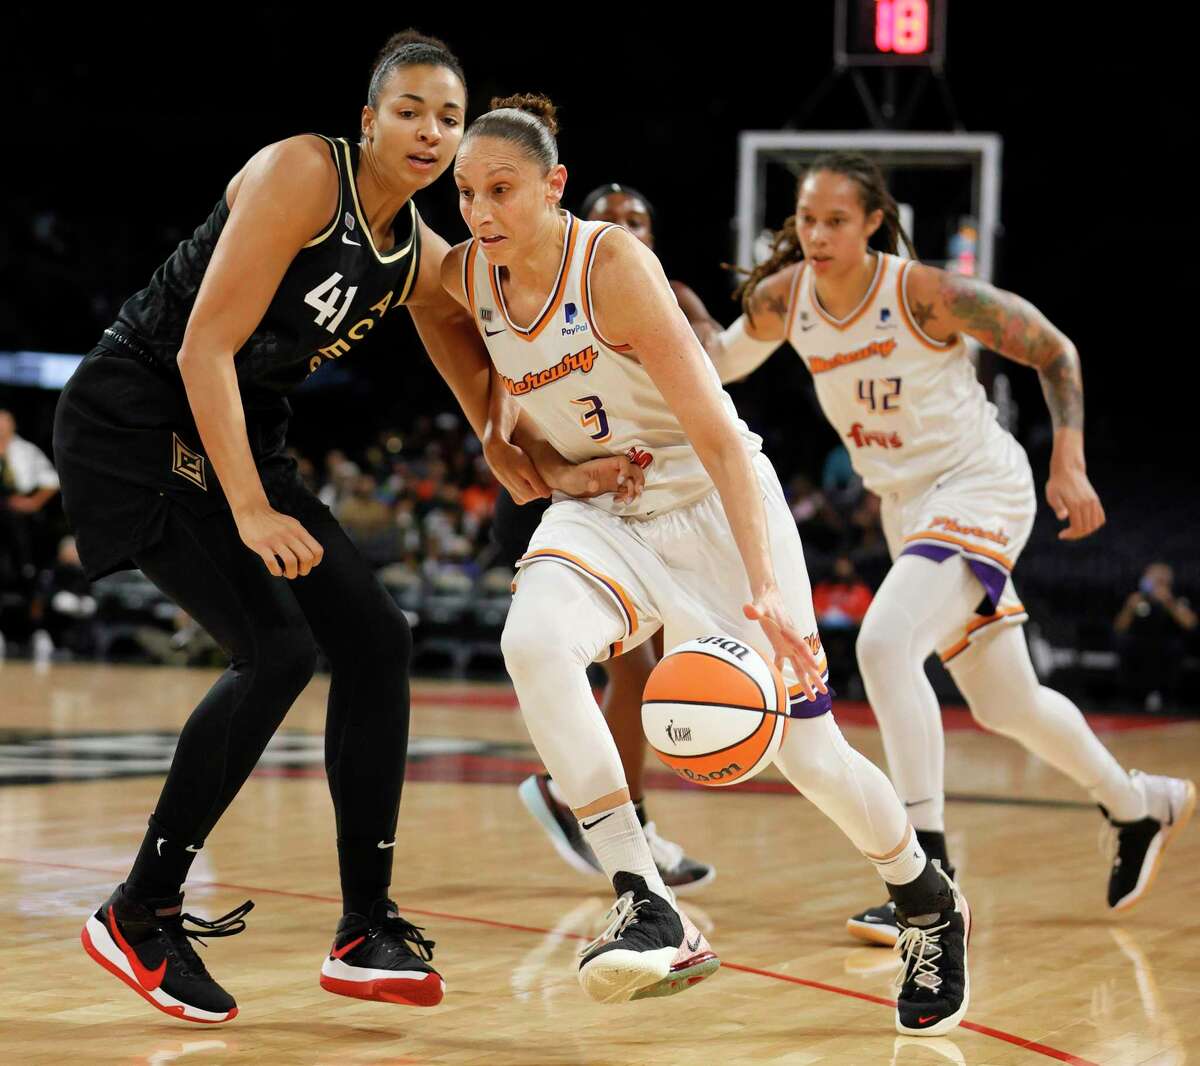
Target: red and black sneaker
[(146, 944), (382, 957)]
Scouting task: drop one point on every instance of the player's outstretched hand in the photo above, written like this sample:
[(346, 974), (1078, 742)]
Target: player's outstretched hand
[(283, 544), (1073, 499), (613, 473), (514, 470), (789, 644)]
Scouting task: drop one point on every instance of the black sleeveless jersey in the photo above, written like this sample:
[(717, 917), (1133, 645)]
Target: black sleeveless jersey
[(332, 295)]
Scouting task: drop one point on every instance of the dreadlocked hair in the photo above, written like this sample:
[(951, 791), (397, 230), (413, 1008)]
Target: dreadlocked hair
[(410, 48), (873, 195)]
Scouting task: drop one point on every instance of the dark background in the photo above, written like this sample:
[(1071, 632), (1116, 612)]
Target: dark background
[(124, 124)]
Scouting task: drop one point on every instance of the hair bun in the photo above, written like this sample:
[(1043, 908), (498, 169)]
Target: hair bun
[(535, 104), (410, 36)]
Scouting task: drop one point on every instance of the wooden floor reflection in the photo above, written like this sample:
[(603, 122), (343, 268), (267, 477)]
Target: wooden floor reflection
[(1055, 977)]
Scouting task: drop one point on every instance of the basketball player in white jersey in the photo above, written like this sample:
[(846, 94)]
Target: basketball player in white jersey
[(588, 339), (884, 340)]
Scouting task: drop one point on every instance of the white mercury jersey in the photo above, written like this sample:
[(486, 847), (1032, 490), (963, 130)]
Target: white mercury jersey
[(908, 408), (589, 396)]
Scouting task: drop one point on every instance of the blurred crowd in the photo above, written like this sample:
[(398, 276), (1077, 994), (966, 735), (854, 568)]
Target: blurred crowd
[(418, 502)]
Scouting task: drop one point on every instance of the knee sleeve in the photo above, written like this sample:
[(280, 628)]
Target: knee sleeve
[(844, 785), (558, 623), (999, 684)]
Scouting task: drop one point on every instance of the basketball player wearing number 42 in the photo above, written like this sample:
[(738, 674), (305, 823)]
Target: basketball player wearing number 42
[(588, 340), (884, 340)]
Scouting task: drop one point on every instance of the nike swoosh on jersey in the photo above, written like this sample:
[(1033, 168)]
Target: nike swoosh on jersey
[(493, 332), (148, 979), (192, 848), (345, 948), (346, 240), (382, 845)]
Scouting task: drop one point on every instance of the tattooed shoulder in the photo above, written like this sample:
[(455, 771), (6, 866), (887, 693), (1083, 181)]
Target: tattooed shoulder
[(764, 301)]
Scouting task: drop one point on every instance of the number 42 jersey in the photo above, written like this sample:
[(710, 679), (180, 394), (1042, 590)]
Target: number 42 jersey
[(908, 408), (590, 396)]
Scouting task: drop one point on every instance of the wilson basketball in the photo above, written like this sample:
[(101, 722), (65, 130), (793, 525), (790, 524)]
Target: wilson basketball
[(715, 711)]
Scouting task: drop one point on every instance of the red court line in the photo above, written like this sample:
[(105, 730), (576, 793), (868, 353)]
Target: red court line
[(984, 1030)]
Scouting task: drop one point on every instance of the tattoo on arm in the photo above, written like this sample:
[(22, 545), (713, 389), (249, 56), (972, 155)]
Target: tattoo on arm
[(769, 302), (1014, 328), (1062, 385), (922, 313)]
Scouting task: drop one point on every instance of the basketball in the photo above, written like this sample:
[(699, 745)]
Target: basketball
[(715, 711)]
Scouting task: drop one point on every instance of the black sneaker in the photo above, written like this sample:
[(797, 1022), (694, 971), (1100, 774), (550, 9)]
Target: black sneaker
[(382, 957), (1137, 847), (933, 986), (146, 944), (649, 948), (559, 823), (876, 925)]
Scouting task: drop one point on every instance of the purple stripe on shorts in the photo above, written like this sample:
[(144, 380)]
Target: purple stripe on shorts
[(802, 708), (936, 552), (991, 576)]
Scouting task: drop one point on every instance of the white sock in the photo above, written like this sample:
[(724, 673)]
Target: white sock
[(1123, 796), (619, 843), (905, 866)]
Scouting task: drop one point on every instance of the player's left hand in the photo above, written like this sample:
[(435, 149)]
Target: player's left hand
[(789, 644), (1072, 498), (613, 473)]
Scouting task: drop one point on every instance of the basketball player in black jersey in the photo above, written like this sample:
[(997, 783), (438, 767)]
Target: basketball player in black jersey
[(513, 525), (169, 440)]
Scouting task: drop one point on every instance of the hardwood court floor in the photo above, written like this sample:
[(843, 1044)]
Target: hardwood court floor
[(1054, 976)]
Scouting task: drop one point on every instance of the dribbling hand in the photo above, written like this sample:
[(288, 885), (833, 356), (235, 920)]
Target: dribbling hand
[(284, 545), (789, 644)]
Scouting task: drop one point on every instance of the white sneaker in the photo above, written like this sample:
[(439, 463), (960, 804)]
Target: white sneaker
[(1137, 847)]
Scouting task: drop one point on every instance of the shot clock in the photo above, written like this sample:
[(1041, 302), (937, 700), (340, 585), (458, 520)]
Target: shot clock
[(880, 33)]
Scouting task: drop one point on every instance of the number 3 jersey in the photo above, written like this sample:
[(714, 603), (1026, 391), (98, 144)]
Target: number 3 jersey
[(589, 396), (333, 294), (908, 408)]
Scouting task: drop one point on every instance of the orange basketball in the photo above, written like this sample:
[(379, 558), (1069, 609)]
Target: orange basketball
[(715, 711)]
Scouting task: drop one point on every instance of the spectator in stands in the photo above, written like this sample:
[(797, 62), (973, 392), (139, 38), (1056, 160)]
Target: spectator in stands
[(64, 608), (27, 483), (1152, 631), (841, 601)]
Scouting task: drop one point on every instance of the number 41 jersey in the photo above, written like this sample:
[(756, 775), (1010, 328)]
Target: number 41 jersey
[(591, 397), (332, 295)]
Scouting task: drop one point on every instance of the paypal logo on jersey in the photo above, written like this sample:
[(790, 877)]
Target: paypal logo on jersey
[(570, 313)]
